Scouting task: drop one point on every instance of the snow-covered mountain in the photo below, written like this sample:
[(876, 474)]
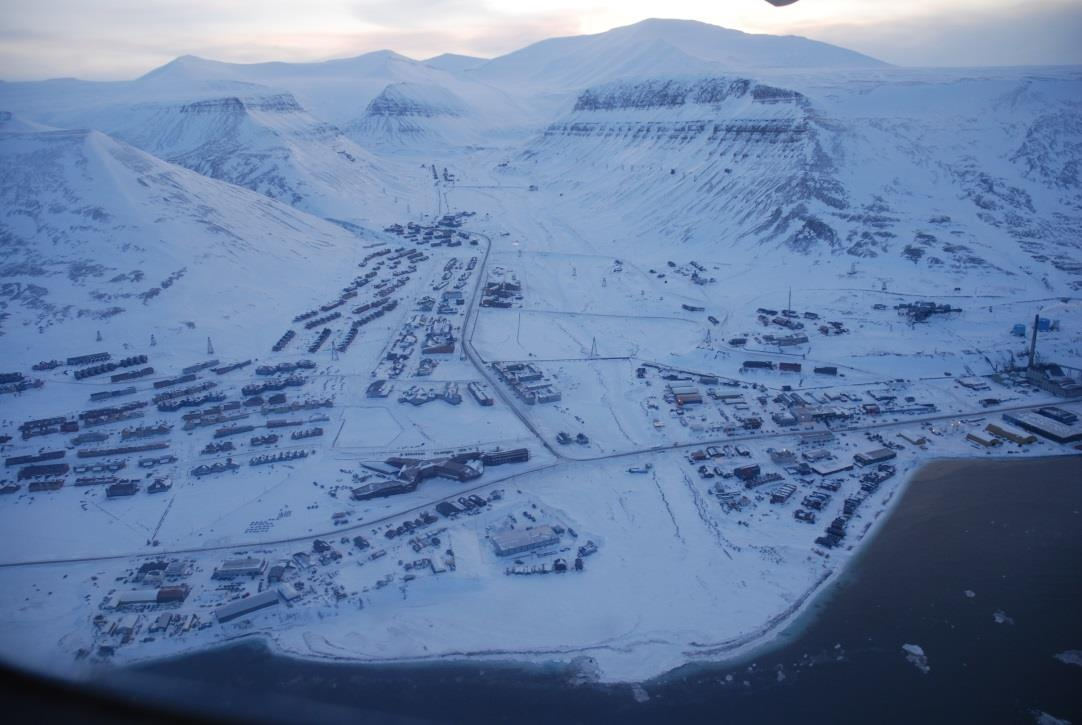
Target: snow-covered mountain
[(98, 235), (809, 148), (453, 62), (421, 116), (335, 91), (659, 48), (407, 114), (675, 150), (266, 143), (985, 182)]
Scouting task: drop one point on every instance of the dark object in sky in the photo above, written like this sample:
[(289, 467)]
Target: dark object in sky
[(780, 3)]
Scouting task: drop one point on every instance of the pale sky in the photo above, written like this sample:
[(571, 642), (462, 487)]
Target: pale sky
[(120, 39)]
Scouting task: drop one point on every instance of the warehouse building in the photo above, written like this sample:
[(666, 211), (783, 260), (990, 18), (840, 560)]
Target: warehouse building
[(516, 541), (242, 607), (1045, 427), (879, 455), (985, 441), (232, 568), (1022, 439)]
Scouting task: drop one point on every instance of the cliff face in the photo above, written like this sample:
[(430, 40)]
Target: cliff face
[(728, 148), (942, 176)]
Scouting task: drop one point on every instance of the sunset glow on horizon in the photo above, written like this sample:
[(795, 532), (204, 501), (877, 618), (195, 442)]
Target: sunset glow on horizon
[(118, 39)]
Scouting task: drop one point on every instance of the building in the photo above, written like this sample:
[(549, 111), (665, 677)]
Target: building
[(816, 438), (381, 489), (44, 470), (1058, 414), (1060, 380), (1045, 427), (686, 394), (782, 456), (232, 568), (134, 597), (516, 541), (170, 594), (920, 440), (389, 468), (480, 393), (122, 489), (126, 626), (448, 468), (242, 607), (982, 440), (830, 468), (1022, 439), (870, 458), (746, 473), (785, 420), (498, 458)]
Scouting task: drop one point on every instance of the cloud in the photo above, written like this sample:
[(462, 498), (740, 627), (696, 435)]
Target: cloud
[(421, 13), (114, 39), (1038, 32)]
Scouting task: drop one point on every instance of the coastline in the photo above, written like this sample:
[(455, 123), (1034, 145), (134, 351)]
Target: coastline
[(776, 632)]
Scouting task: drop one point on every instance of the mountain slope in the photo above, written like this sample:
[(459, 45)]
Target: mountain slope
[(453, 62), (266, 143), (983, 184), (98, 235), (659, 48), (335, 90), (421, 118)]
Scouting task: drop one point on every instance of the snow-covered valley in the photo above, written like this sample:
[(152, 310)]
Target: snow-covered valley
[(614, 350)]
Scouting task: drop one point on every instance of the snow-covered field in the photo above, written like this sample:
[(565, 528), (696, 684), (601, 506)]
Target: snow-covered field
[(659, 206)]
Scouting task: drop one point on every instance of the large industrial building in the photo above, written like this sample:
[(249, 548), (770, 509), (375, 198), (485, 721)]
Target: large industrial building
[(879, 455), (517, 541), (241, 607), (1046, 427), (232, 568)]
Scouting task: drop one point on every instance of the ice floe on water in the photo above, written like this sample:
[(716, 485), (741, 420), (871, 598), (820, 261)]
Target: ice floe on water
[(1070, 657), (914, 654)]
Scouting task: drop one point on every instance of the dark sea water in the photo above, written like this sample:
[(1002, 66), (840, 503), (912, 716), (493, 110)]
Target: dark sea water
[(1009, 532)]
